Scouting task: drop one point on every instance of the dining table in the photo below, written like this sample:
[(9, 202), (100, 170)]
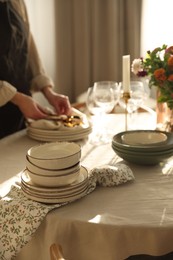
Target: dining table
[(117, 222)]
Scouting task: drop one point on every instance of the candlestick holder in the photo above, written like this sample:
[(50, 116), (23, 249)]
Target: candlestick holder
[(126, 97)]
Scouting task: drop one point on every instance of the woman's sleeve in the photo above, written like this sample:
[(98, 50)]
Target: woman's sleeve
[(7, 92), (39, 78)]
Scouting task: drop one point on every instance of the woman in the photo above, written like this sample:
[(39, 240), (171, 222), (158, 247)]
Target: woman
[(21, 72)]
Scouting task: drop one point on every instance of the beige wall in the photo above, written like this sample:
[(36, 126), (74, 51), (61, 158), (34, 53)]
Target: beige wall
[(42, 22)]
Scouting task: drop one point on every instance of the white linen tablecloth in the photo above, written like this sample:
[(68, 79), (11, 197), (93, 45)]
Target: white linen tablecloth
[(20, 217), (110, 223)]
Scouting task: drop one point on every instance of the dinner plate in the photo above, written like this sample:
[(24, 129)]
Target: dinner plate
[(63, 194), (57, 132), (59, 138), (60, 194), (81, 180), (49, 135), (62, 133), (55, 135), (55, 200)]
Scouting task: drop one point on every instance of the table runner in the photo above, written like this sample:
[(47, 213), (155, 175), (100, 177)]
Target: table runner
[(20, 217)]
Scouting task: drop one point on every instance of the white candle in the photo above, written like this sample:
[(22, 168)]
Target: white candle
[(126, 73)]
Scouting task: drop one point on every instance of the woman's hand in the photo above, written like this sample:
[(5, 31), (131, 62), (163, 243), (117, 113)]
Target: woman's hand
[(60, 103), (29, 107)]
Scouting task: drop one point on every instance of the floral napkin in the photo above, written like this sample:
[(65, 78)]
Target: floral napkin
[(109, 176), (20, 217)]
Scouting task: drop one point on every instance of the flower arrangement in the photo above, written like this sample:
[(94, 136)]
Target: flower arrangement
[(158, 66)]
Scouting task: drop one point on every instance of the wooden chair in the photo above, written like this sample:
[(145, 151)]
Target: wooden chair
[(56, 252)]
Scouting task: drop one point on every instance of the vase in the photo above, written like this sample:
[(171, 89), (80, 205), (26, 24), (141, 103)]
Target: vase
[(164, 117)]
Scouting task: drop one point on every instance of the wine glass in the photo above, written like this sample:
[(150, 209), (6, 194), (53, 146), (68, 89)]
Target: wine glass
[(104, 96), (101, 99), (137, 97)]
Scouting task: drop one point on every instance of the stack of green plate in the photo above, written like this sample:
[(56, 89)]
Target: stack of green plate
[(146, 147)]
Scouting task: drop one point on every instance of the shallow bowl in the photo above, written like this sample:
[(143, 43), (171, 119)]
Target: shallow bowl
[(142, 158), (55, 155), (118, 141), (139, 138), (41, 171), (52, 181), (167, 152)]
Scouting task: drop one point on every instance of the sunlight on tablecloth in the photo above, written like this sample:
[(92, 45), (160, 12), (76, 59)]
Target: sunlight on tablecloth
[(20, 217)]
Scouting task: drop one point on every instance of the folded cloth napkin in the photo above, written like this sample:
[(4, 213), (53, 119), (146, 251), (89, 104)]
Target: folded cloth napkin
[(20, 217), (109, 175), (47, 124)]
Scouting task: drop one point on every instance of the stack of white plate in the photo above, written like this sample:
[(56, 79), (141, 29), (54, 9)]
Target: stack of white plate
[(53, 173), (146, 147), (60, 134)]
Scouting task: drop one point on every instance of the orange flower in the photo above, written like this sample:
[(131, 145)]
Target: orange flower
[(169, 50), (170, 78), (159, 74), (170, 61)]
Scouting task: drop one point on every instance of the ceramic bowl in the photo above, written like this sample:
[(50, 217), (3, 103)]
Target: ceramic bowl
[(142, 158), (163, 143), (55, 155), (143, 152), (41, 171), (52, 181), (143, 138)]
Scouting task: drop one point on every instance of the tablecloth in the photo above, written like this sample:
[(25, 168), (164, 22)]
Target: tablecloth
[(20, 217)]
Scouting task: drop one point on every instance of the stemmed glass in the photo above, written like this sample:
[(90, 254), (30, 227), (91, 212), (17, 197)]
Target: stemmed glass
[(101, 99), (137, 97)]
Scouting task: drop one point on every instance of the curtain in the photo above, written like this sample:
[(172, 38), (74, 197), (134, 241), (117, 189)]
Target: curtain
[(91, 38)]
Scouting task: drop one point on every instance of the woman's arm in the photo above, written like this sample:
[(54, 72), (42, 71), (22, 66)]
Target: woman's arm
[(29, 107), (60, 102), (39, 80), (7, 92)]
